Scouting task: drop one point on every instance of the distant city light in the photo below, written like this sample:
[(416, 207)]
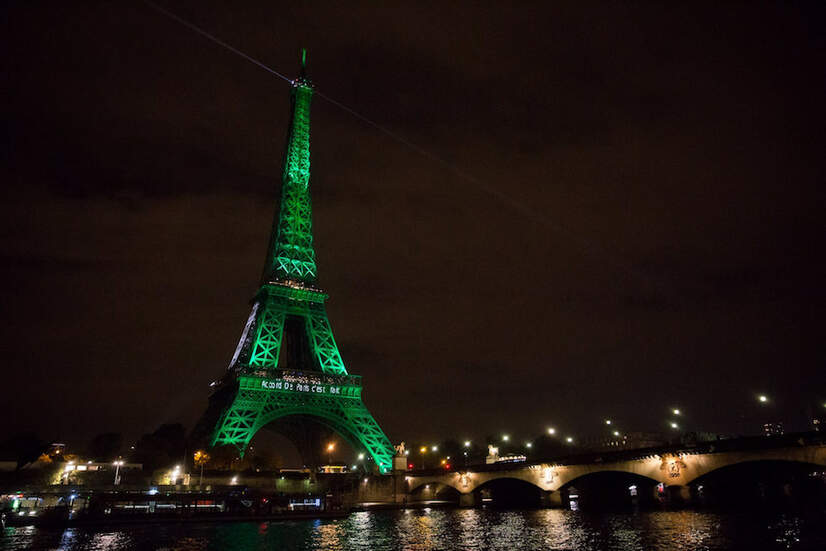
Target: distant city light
[(505, 437), (763, 398), (434, 448), (361, 456), (676, 411), (467, 443), (607, 421), (551, 431), (616, 433), (529, 445), (569, 439), (674, 425)]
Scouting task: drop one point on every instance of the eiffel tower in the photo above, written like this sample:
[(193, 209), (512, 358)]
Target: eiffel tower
[(287, 367)]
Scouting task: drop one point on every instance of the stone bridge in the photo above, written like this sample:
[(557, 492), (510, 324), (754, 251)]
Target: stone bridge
[(674, 468)]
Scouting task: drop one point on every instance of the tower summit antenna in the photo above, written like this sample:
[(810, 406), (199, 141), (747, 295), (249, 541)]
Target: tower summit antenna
[(303, 62)]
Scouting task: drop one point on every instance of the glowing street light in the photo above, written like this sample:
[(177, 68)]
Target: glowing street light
[(434, 448), (201, 458), (361, 456), (616, 433), (173, 474), (330, 447), (118, 464), (607, 421), (675, 411), (569, 440), (505, 437), (763, 398), (674, 425), (528, 445), (467, 443), (551, 431)]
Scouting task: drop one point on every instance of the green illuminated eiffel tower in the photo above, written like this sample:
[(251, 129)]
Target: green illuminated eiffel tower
[(287, 362)]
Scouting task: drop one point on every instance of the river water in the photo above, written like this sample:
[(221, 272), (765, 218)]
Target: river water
[(455, 529)]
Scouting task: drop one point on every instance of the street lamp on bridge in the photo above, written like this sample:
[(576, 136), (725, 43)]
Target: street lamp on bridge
[(118, 464)]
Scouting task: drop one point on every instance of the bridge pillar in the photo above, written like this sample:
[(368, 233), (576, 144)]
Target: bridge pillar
[(467, 500)]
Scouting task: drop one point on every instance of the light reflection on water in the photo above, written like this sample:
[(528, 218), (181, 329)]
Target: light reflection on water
[(455, 530)]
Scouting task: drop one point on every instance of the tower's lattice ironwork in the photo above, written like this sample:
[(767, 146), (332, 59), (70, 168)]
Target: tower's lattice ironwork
[(287, 361)]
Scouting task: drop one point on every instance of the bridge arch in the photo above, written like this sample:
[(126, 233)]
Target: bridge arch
[(435, 492), (416, 483), (609, 489), (783, 457), (510, 491), (605, 473), (761, 482), (507, 478)]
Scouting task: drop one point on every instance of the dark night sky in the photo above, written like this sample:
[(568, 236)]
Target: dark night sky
[(645, 229)]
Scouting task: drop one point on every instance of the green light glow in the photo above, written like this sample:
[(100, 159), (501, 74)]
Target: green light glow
[(263, 391), (292, 256)]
